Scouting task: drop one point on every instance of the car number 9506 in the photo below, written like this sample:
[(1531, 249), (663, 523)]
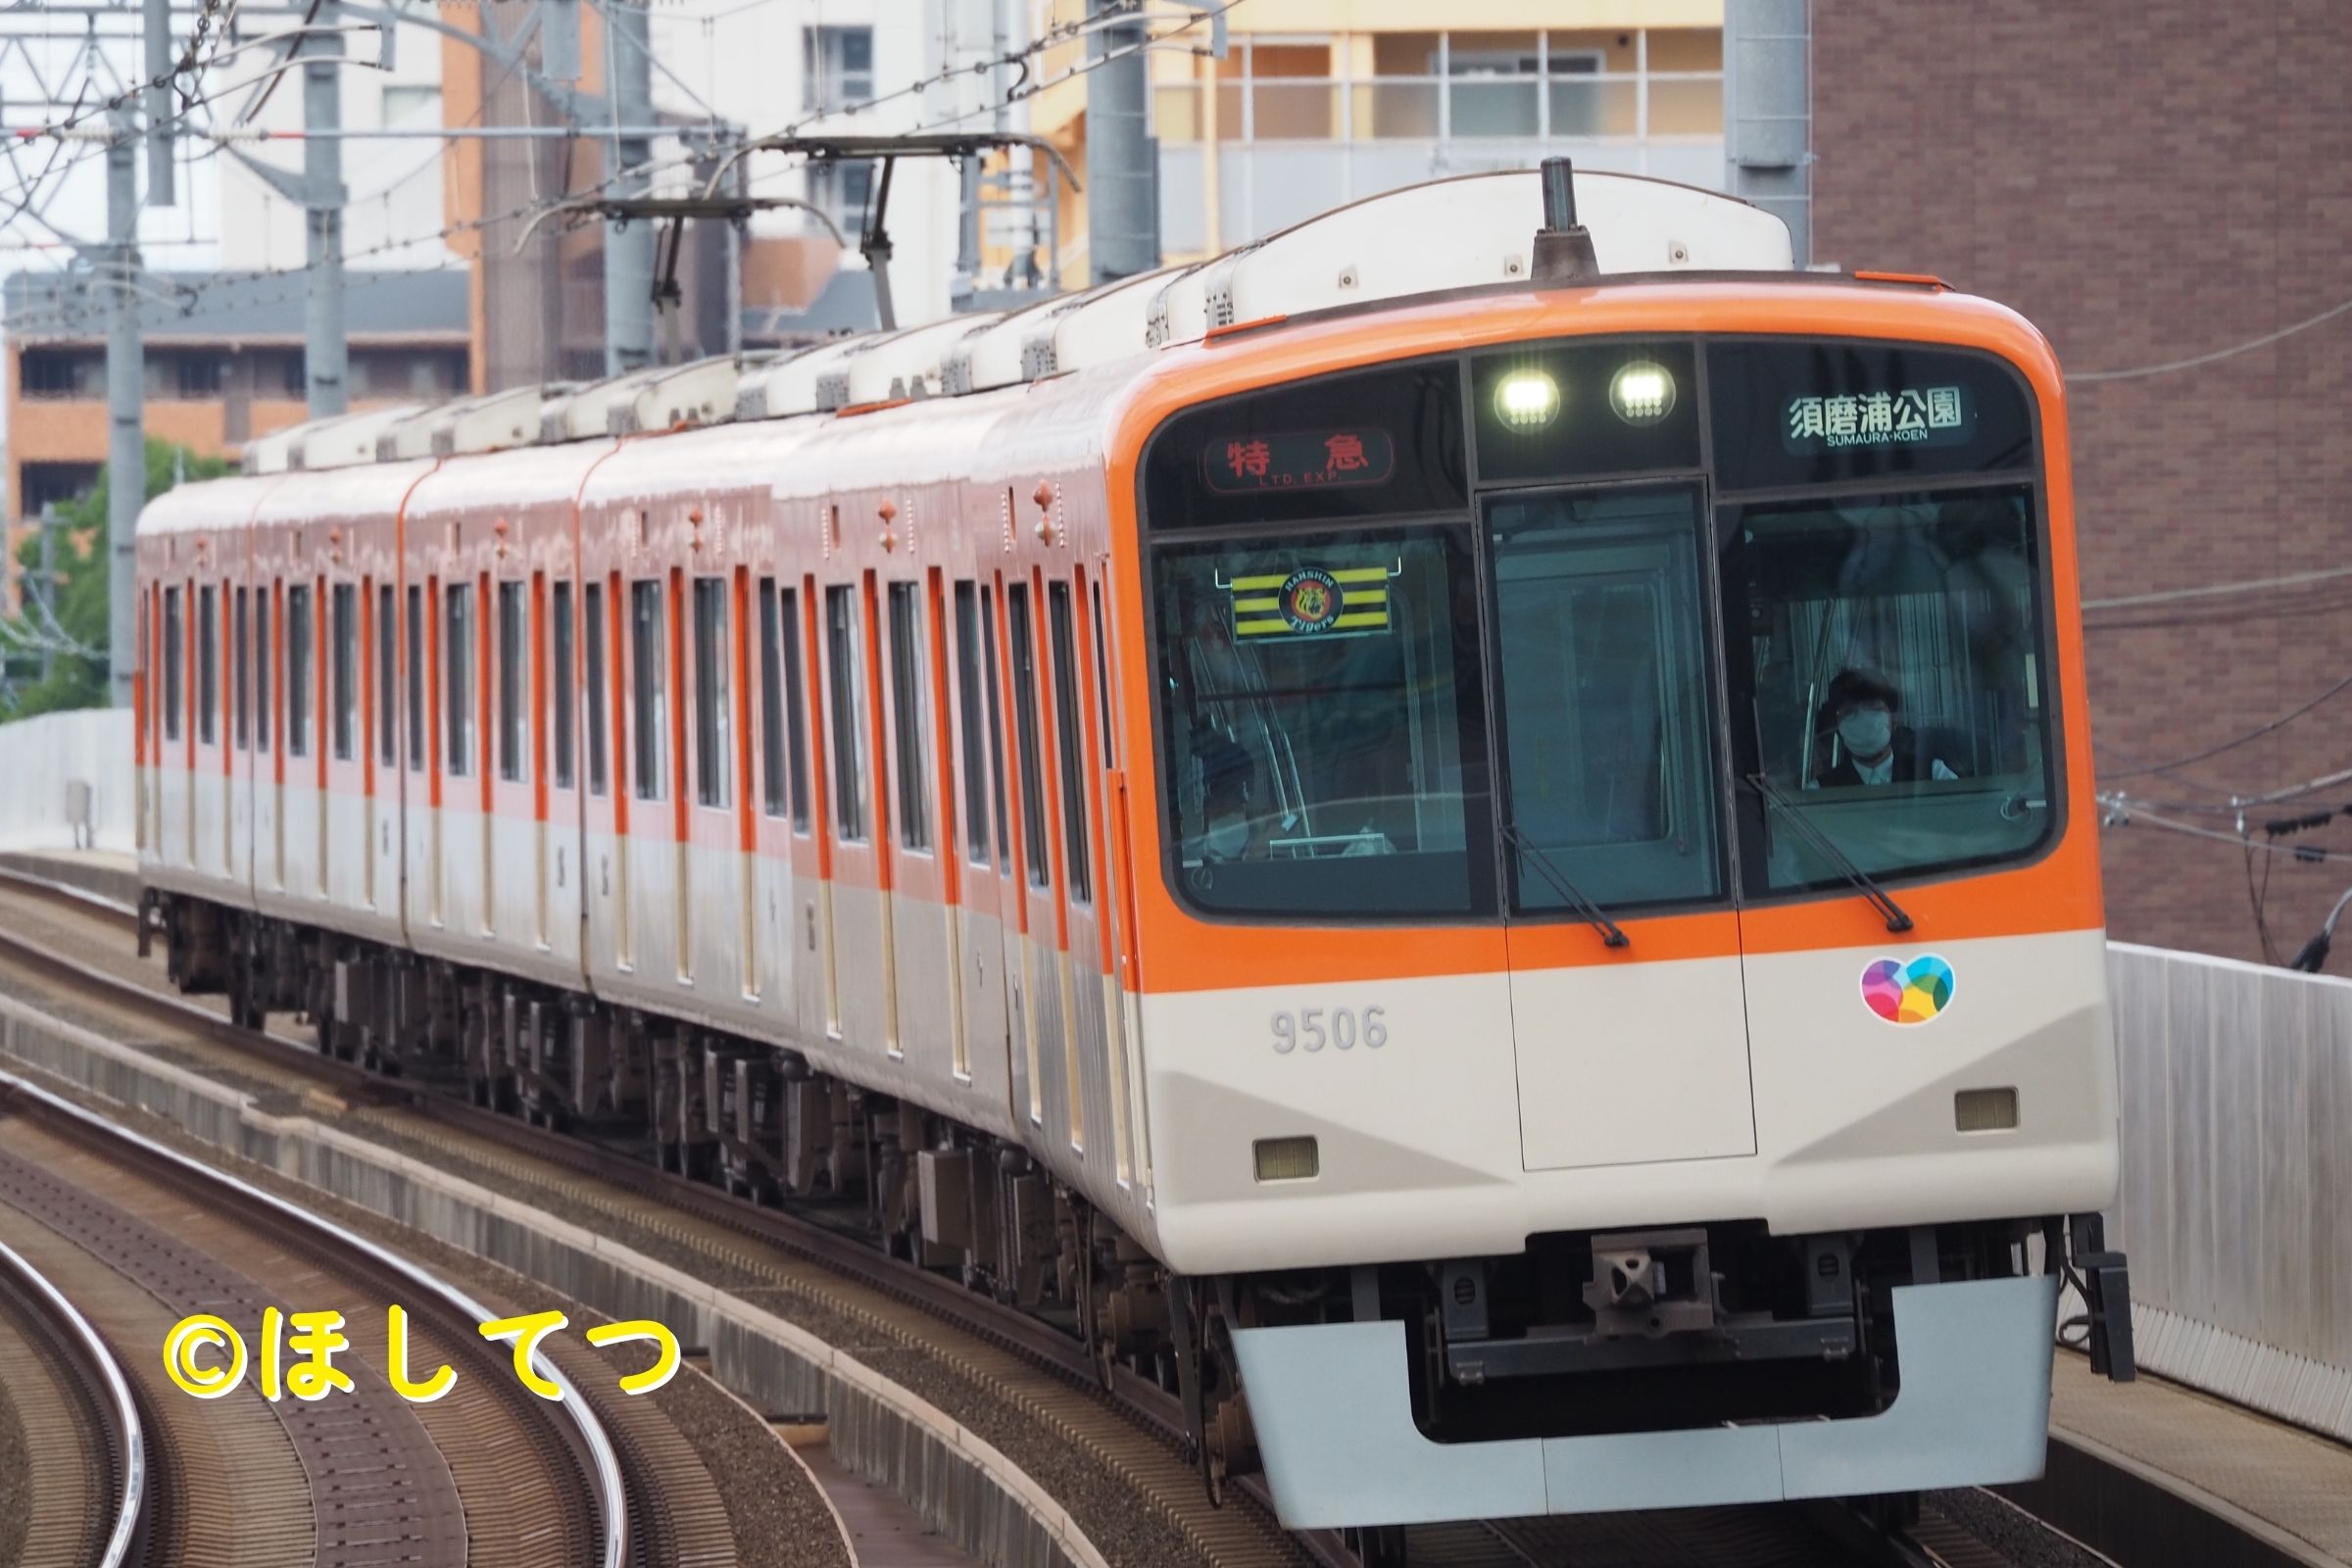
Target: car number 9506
[(1342, 1028)]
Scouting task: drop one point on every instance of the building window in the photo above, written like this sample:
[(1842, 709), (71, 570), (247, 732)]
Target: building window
[(911, 707), (713, 737), (456, 664), (560, 677), (796, 709), (208, 665), (840, 189), (646, 650), (1069, 726), (415, 677), (299, 656), (175, 633), (593, 610), (59, 374), (387, 689), (48, 484), (344, 636), (513, 681), (842, 656), (837, 68), (968, 635), (1024, 729), (197, 374)]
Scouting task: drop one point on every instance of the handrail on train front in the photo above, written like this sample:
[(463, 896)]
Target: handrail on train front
[(134, 1438), (612, 1500)]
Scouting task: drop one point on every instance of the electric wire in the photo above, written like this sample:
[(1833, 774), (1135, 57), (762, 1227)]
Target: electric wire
[(2169, 367)]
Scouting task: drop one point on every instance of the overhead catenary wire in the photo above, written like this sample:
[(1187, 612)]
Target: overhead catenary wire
[(2192, 362)]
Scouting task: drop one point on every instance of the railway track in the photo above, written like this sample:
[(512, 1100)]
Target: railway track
[(140, 1235), (1244, 1532), (78, 1430)]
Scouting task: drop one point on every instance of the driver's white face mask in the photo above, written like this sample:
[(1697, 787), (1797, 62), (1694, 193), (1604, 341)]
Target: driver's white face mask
[(1866, 731), (1228, 837)]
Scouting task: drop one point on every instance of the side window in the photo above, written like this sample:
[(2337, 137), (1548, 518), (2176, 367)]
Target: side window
[(560, 677), (1024, 729), (996, 728), (849, 751), (175, 661), (714, 742), (457, 667), (968, 637), (648, 646), (771, 704), (513, 681), (241, 678), (909, 692), (387, 679), (1103, 681), (262, 659), (208, 665), (301, 652), (796, 709), (344, 646), (1069, 720), (591, 611), (416, 676)]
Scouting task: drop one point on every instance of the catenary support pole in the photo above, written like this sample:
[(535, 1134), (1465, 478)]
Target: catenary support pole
[(1122, 159), (629, 249), (326, 354), (156, 29), (125, 408), (1768, 111)]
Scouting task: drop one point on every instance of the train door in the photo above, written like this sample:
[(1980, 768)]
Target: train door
[(1041, 942), (984, 912), (856, 970), (1630, 1026)]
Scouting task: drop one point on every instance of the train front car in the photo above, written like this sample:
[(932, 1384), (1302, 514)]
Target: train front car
[(1624, 975)]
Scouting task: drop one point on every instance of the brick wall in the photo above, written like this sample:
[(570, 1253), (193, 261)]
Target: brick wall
[(2149, 180)]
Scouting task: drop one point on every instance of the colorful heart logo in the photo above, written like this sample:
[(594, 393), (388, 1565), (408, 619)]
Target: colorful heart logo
[(1908, 993)]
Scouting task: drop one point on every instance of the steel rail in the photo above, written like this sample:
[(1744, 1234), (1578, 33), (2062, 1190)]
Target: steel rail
[(129, 1435), (604, 1464)]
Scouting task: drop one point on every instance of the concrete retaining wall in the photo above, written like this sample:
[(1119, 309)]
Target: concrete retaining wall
[(40, 757), (959, 1485), (2236, 1203)]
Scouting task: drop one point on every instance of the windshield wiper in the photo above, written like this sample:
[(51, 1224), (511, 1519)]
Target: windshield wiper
[(1827, 847), (1587, 911)]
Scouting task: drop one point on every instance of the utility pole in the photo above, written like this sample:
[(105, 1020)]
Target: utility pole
[(125, 407), (326, 354), (1122, 159), (156, 27), (629, 247), (1767, 112)]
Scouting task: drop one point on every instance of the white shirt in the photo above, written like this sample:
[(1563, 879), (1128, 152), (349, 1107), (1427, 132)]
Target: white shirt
[(1882, 771)]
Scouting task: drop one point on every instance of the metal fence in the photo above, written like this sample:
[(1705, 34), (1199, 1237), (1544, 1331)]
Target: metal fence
[(2236, 1202)]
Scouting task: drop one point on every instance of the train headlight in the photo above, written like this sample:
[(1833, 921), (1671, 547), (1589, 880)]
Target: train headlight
[(1641, 393), (1526, 401)]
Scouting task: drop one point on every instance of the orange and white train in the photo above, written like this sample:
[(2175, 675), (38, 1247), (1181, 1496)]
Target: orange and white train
[(1476, 843)]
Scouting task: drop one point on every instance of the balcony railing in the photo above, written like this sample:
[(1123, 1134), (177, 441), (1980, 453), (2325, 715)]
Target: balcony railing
[(1622, 107)]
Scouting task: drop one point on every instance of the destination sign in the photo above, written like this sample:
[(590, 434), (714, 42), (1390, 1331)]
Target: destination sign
[(1936, 416), (1299, 460)]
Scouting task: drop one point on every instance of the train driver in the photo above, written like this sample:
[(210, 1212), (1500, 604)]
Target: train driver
[(1868, 746), (1228, 780)]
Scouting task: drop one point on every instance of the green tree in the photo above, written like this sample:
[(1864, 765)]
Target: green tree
[(75, 680)]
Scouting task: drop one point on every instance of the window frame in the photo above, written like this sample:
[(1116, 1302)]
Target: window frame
[(594, 656), (241, 672), (264, 661), (414, 681), (460, 637), (510, 647), (971, 723), (788, 601), (713, 697), (302, 652), (1069, 741), (910, 713), (649, 689), (562, 670), (844, 681), (208, 664), (387, 676), (774, 797), (1027, 688)]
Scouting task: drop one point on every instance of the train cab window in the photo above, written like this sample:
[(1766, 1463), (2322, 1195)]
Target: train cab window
[(1038, 853), (1069, 721), (842, 660), (513, 681), (416, 676), (175, 665), (560, 677), (301, 659), (713, 709), (649, 648), (240, 680), (1321, 702), (1605, 721), (456, 669), (1894, 665), (592, 614), (208, 665), (910, 705), (796, 707), (387, 679), (968, 636), (343, 603), (996, 729), (771, 704), (263, 658)]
